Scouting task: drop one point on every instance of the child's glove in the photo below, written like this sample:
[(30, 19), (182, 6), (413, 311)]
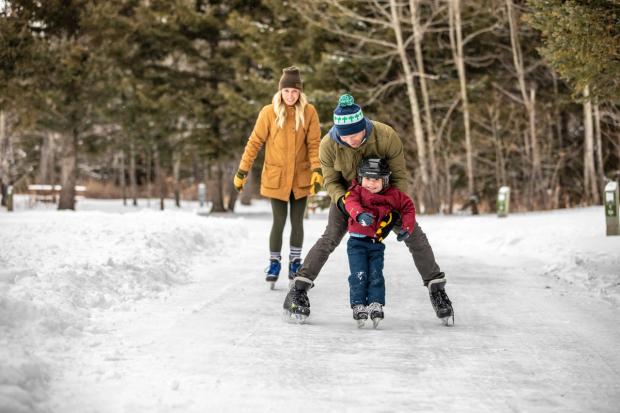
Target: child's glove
[(402, 235), (316, 182), (241, 177), (365, 219)]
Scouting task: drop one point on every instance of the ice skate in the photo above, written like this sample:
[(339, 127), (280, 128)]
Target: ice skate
[(297, 305), (440, 301), (293, 266), (273, 272), (360, 315), (376, 313)]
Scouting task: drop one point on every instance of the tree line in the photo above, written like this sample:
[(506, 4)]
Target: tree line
[(161, 95)]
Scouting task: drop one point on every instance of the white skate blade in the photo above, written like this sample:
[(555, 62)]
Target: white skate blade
[(446, 321), (375, 322), (272, 285), (294, 318), (360, 323)]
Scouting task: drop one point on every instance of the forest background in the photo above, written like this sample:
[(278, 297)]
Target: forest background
[(148, 98)]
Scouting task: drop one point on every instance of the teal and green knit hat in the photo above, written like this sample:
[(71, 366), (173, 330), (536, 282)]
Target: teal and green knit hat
[(348, 117)]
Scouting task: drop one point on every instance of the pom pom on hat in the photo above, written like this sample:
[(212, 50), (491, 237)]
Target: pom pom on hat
[(348, 116), (346, 100)]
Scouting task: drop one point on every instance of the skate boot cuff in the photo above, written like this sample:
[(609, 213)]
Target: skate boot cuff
[(436, 284), (303, 283)]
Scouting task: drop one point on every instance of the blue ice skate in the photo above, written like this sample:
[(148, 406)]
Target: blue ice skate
[(273, 272), (293, 267)]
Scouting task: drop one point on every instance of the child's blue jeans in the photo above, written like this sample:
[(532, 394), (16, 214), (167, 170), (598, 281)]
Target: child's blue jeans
[(366, 282)]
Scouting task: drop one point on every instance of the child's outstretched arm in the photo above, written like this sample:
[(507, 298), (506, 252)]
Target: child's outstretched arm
[(407, 212)]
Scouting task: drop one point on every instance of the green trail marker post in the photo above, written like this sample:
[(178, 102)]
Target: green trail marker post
[(202, 194), (612, 212), (503, 201)]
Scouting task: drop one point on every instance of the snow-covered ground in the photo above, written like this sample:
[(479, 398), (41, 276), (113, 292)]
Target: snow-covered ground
[(118, 309)]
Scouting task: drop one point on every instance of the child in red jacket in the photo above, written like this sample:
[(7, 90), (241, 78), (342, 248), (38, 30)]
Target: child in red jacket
[(374, 207)]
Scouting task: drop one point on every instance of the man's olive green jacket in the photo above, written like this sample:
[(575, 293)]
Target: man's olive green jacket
[(339, 162)]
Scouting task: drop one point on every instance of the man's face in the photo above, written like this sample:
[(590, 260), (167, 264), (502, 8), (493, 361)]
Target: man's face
[(354, 140)]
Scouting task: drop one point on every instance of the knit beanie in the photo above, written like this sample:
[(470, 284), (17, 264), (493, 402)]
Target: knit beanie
[(290, 79), (348, 117)]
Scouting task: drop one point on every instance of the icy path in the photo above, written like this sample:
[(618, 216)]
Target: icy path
[(522, 341)]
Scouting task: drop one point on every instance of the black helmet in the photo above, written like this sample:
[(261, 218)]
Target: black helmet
[(374, 168)]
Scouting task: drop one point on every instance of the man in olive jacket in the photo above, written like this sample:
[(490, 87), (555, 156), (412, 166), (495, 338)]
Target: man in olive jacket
[(353, 138)]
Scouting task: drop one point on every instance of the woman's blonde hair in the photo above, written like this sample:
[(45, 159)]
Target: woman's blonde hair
[(280, 108)]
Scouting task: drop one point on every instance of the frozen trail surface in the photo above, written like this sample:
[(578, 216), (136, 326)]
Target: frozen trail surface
[(524, 340)]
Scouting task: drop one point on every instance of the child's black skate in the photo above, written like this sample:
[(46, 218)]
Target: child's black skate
[(273, 271), (376, 313), (360, 314), (297, 305), (440, 301)]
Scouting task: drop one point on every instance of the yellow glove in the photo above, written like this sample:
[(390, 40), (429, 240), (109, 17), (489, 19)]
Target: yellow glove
[(241, 177), (316, 182)]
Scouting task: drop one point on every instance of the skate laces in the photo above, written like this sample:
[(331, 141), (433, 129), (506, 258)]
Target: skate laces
[(359, 309), (273, 267), (294, 265), (300, 297), (444, 297), (441, 298), (374, 307)]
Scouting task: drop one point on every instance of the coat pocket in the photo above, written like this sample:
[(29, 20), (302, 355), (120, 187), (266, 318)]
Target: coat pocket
[(271, 176), (303, 175)]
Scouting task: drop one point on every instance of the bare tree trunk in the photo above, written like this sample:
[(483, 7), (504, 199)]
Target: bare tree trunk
[(600, 167), (122, 179), (176, 171), (46, 163), (159, 178), (215, 187), (197, 171), (149, 176), (557, 114), (456, 38), (448, 188), (411, 93), (4, 161), (68, 167), (230, 188), (132, 172), (529, 101), (500, 163), (428, 118), (589, 174)]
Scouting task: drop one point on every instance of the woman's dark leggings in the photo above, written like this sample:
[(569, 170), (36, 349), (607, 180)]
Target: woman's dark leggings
[(279, 209)]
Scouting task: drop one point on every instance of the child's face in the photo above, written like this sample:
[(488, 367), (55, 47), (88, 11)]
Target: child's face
[(374, 185)]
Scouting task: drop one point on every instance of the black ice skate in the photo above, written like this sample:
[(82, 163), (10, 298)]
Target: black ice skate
[(360, 314), (440, 301), (376, 313), (296, 304)]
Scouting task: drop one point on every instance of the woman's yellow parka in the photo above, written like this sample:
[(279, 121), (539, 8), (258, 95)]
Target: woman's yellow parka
[(290, 156)]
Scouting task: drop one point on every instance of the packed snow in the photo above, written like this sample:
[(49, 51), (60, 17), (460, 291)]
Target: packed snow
[(113, 308)]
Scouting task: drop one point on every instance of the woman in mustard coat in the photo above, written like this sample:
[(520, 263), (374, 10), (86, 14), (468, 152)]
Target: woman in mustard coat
[(289, 130)]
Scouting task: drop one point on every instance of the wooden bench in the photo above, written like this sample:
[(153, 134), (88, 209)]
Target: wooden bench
[(48, 193)]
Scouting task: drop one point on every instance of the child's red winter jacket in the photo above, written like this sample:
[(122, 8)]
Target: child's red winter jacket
[(380, 205)]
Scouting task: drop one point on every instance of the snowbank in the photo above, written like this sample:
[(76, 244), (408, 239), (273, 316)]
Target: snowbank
[(569, 245), (57, 268)]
